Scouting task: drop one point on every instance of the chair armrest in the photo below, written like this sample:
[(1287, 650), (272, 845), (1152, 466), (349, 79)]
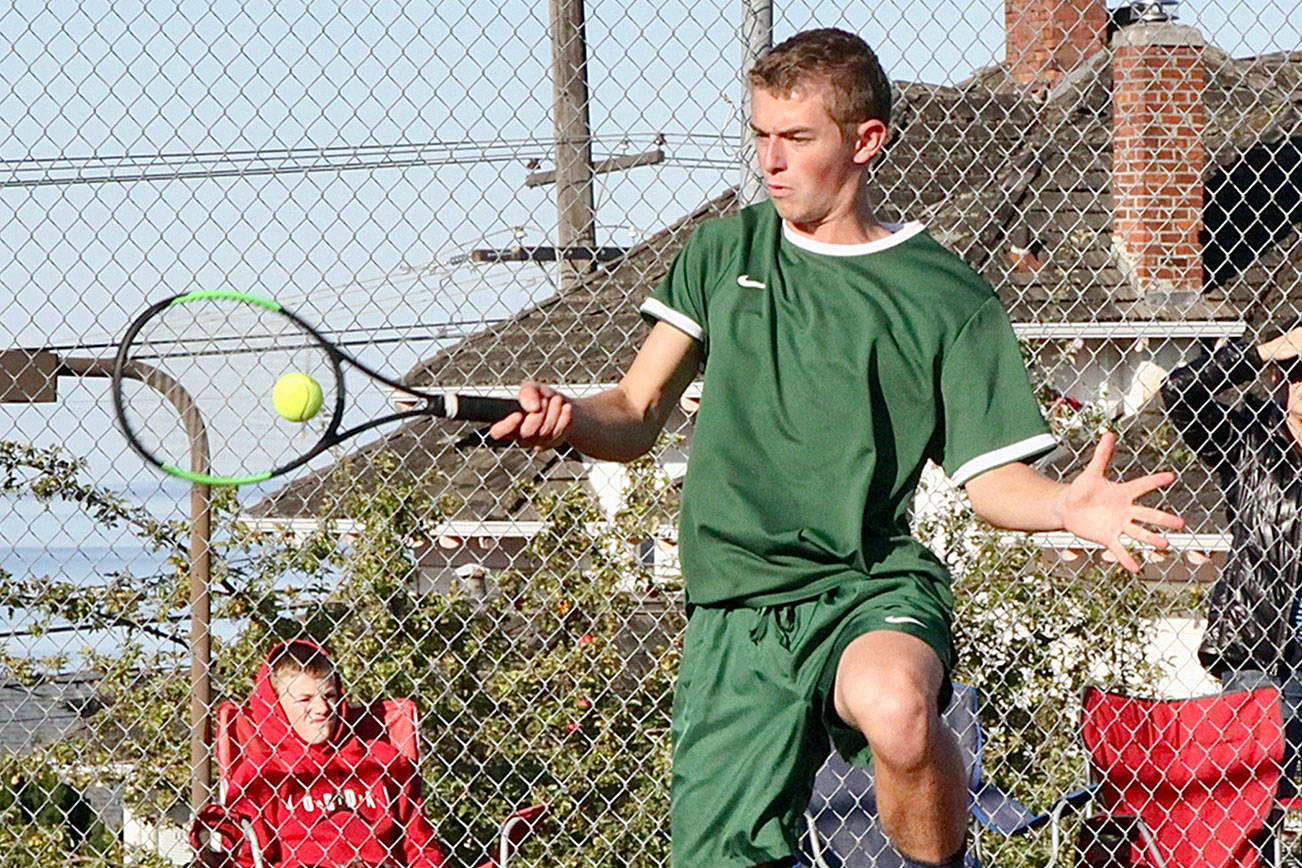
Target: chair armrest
[(996, 810), (1000, 812), (515, 828), (216, 830), (1075, 800)]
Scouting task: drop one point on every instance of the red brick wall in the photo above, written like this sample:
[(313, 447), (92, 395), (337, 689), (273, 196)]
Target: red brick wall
[(1158, 157), (1046, 39)]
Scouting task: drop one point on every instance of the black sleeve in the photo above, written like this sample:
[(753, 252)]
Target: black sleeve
[(1212, 428)]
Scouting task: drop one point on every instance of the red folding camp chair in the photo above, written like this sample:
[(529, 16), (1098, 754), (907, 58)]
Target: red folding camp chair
[(1188, 783), (390, 720)]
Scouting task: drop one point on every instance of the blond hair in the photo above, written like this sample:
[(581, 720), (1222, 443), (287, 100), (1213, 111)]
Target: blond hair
[(297, 656), (855, 86)]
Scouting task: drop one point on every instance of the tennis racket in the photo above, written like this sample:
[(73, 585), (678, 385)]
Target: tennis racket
[(193, 383)]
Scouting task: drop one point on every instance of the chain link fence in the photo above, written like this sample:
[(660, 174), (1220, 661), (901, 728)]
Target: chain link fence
[(1128, 179)]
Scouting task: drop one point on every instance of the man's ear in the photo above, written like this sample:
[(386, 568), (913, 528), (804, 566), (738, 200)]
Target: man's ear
[(870, 138)]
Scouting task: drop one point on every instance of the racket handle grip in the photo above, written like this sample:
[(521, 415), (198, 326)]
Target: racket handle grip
[(474, 408)]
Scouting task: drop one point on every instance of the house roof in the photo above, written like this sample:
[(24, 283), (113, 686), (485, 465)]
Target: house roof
[(1039, 176), (986, 169), (32, 716)]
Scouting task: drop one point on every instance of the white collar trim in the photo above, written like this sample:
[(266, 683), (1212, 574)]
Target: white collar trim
[(900, 232)]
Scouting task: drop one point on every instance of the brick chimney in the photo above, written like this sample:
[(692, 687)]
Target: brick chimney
[(1046, 39), (1158, 158)]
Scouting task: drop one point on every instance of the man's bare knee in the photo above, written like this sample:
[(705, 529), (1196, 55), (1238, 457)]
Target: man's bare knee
[(898, 725), (886, 687)]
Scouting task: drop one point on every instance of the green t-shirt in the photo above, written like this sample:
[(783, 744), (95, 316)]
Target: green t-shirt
[(832, 373)]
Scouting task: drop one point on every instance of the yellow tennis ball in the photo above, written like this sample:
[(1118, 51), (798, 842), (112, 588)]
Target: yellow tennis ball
[(297, 396)]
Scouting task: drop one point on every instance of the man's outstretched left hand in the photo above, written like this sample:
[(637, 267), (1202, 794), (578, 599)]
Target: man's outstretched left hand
[(1095, 508)]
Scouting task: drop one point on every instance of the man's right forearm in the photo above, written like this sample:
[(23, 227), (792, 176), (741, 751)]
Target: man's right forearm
[(622, 423), (618, 424), (610, 427)]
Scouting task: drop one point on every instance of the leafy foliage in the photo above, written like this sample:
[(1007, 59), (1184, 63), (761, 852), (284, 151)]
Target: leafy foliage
[(45, 820), (554, 687)]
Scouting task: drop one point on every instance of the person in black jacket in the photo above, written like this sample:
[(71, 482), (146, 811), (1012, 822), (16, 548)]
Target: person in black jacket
[(1254, 446)]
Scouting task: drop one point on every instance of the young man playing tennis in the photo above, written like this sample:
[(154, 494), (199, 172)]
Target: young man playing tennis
[(840, 355)]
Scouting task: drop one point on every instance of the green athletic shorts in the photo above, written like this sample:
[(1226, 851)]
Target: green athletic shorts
[(753, 711)]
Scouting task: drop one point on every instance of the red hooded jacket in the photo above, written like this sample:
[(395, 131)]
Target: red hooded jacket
[(348, 801)]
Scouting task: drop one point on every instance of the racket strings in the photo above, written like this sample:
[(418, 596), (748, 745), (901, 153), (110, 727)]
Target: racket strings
[(207, 369)]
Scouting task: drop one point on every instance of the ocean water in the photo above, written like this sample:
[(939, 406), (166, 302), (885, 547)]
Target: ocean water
[(56, 541)]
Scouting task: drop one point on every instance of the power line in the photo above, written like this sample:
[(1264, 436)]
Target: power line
[(30, 172), (322, 151), (449, 329), (441, 330), (327, 151), (145, 175), (703, 162)]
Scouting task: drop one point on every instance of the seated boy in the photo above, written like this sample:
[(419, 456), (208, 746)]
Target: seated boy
[(313, 792)]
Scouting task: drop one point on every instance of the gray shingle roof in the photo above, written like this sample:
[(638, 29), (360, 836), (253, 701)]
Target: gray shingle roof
[(34, 716), (586, 335)]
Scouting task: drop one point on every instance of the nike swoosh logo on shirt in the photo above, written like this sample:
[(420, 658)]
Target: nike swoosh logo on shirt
[(745, 281), (903, 619)]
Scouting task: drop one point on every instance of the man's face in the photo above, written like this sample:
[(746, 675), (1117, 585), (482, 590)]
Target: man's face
[(311, 704), (813, 171)]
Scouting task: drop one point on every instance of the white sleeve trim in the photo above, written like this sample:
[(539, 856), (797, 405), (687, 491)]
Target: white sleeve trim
[(679, 320), (1003, 455)]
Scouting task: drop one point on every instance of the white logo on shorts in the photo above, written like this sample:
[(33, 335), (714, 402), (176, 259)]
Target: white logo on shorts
[(745, 281), (903, 619)]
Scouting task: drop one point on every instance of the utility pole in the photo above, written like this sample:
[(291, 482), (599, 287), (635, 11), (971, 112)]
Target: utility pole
[(575, 210), (756, 38), (576, 237)]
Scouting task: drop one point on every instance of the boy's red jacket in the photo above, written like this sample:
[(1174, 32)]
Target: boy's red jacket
[(348, 801)]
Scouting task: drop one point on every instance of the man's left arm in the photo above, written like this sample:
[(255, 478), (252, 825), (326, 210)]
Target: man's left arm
[(1093, 507)]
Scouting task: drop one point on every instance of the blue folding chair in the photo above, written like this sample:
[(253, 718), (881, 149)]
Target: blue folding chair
[(842, 826)]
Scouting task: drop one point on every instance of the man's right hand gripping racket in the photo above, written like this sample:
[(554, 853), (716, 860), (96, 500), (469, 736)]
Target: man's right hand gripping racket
[(205, 366)]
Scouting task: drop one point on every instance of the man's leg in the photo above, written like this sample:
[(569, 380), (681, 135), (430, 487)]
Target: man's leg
[(746, 738), (887, 684)]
